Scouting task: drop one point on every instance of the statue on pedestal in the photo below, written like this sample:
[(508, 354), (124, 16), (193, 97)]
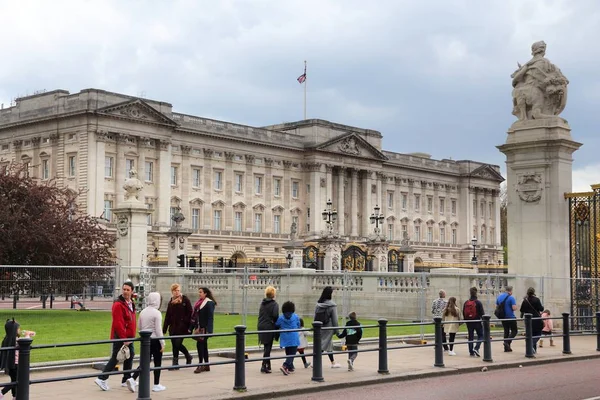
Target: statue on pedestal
[(133, 186), (540, 88)]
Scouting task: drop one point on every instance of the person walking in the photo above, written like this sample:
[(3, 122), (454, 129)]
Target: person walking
[(267, 316), (177, 322), (151, 320), (203, 322), (507, 305), (472, 312), (532, 305), (9, 359), (353, 333), (547, 329), (437, 309), (450, 314), (289, 341), (326, 312), (303, 335), (123, 327)]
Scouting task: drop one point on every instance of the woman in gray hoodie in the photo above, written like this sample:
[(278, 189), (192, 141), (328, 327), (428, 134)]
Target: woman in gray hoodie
[(151, 320), (326, 312)]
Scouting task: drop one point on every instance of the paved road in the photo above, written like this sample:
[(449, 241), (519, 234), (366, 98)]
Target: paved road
[(563, 381)]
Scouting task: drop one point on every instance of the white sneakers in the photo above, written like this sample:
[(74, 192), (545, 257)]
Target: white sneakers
[(102, 384), (350, 365), (451, 353), (336, 365), (158, 388), (130, 385)]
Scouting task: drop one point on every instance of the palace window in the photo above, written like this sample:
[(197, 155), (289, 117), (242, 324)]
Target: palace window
[(277, 187), (45, 169), (430, 234), (108, 167), (217, 220), (442, 235), (129, 165), (195, 218), (429, 204), (237, 221), (404, 231), (390, 231), (149, 216), (453, 203), (295, 189), (257, 222), (258, 184), (72, 166), (390, 200), (417, 202), (239, 182), (417, 233), (149, 171), (172, 212), (196, 174), (454, 238), (218, 180), (108, 205), (276, 223), (442, 205), (404, 201), (173, 176)]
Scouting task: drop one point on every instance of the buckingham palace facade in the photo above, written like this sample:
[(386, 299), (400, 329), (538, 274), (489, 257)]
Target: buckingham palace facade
[(240, 188)]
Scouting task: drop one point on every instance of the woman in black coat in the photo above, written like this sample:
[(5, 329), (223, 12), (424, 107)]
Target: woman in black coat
[(532, 305), (267, 316)]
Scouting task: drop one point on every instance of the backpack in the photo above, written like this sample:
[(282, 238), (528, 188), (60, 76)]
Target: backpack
[(322, 315), (500, 311), (470, 311)]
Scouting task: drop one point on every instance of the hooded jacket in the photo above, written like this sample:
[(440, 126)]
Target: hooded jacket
[(7, 358), (267, 316), (123, 320), (331, 312), (288, 320), (151, 318)]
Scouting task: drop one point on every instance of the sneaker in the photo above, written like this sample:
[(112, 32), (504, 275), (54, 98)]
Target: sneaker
[(472, 355), (131, 385), (102, 384), (336, 365), (451, 353), (158, 388), (284, 370), (350, 365), (476, 352), (307, 365)]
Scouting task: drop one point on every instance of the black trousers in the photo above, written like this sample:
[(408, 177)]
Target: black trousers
[(178, 346), (444, 338), (510, 331), (267, 353), (112, 363), (202, 347), (12, 372), (451, 342), (156, 355)]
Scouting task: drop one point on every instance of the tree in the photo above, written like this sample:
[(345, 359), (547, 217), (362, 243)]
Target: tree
[(504, 220), (41, 226)]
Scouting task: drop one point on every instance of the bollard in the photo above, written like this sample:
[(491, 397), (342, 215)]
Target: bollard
[(566, 334), (439, 345), (239, 383), (383, 357), (598, 331), (144, 378), (15, 299), (487, 340), (317, 375), (528, 336), (23, 368)]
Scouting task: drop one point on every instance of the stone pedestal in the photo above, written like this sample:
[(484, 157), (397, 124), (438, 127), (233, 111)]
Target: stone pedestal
[(295, 248), (331, 248), (378, 249), (539, 167), (132, 233), (177, 244)]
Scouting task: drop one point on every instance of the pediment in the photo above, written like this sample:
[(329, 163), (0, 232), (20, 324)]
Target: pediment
[(240, 205), (486, 171), (352, 145), (138, 110)]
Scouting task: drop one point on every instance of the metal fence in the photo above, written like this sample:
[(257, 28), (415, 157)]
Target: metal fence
[(381, 347)]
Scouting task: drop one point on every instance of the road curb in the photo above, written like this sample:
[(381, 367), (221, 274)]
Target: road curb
[(314, 387)]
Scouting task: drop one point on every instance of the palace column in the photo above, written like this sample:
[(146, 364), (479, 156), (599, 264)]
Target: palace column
[(329, 182), (315, 199), (249, 194), (119, 173), (367, 207), (207, 186), (268, 196), (354, 204), (96, 171), (340, 203), (163, 183)]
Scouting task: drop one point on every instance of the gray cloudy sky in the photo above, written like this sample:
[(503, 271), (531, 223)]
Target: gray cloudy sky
[(432, 76)]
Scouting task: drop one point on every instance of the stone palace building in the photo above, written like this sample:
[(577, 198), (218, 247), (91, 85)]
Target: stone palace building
[(240, 188)]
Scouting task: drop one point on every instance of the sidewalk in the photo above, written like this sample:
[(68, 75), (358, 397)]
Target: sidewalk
[(404, 364)]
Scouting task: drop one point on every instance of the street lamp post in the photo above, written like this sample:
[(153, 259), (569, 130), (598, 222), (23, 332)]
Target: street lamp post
[(474, 259), (329, 216), (289, 259), (377, 219)]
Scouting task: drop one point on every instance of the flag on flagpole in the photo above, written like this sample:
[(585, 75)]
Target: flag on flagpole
[(302, 77)]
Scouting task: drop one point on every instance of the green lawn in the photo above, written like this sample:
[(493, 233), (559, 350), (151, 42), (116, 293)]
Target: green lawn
[(69, 326)]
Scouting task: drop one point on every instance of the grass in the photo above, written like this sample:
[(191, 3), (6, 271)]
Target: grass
[(69, 326)]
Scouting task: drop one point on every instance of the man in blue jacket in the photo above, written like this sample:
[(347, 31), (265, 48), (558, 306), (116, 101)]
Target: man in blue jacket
[(510, 326)]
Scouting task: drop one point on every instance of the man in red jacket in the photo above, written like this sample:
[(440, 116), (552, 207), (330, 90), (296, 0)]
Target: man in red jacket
[(123, 327)]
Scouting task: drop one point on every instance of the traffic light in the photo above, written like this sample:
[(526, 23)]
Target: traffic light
[(181, 261), (220, 263)]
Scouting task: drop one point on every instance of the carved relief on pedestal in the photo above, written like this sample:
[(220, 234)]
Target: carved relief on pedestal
[(529, 186), (123, 225)]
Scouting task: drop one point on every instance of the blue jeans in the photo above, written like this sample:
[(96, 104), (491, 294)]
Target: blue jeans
[(289, 361), (473, 327)]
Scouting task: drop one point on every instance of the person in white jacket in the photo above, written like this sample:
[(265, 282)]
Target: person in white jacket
[(151, 320)]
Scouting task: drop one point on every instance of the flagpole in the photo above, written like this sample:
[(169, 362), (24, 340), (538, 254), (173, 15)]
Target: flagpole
[(305, 89)]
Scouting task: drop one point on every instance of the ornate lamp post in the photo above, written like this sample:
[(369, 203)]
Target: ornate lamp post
[(474, 259), (289, 259), (377, 219), (329, 216)]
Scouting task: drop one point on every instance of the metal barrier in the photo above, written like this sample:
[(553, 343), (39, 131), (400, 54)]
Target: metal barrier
[(25, 347)]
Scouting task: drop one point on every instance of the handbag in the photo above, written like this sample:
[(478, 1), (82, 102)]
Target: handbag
[(199, 331), (123, 353)]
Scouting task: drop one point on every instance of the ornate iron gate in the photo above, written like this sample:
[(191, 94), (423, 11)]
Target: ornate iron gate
[(584, 240), (310, 257), (354, 259), (394, 261)]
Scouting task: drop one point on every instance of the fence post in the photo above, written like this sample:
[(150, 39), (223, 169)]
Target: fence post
[(598, 331), (144, 387), (317, 375), (23, 368), (566, 334), (239, 383), (528, 336), (439, 346), (383, 358), (487, 341)]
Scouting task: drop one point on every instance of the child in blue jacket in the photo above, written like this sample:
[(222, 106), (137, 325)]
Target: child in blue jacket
[(288, 340)]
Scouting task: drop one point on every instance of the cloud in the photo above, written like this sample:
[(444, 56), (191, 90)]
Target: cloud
[(586, 176)]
